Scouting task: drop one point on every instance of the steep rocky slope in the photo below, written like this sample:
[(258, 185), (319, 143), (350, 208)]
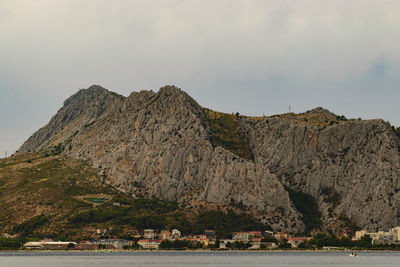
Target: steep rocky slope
[(352, 168), (157, 145), (165, 145), (78, 112)]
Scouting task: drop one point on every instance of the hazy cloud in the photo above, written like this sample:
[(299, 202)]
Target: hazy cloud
[(254, 57)]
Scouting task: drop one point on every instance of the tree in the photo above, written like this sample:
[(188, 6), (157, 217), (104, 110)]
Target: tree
[(70, 245), (101, 246), (365, 242), (284, 244)]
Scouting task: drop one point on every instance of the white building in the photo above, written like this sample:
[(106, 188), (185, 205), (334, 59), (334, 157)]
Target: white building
[(149, 243), (40, 244), (381, 237), (149, 234), (176, 233), (117, 243)]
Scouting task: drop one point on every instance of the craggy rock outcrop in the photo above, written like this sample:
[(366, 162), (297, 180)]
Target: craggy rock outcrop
[(352, 168), (78, 111), (161, 145), (157, 145)]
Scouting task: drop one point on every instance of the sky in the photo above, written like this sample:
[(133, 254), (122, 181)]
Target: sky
[(247, 56)]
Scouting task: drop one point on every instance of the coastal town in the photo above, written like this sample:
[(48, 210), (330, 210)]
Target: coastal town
[(151, 239)]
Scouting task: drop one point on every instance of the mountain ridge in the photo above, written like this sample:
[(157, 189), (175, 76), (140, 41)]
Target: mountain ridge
[(165, 145)]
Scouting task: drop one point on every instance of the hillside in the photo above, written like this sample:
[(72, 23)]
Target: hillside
[(295, 172), (58, 197)]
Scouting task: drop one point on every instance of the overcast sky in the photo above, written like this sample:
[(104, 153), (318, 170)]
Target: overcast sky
[(252, 57)]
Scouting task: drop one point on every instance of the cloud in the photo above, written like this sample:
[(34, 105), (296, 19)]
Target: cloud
[(249, 56)]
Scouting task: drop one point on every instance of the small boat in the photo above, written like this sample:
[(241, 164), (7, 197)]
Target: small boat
[(353, 255)]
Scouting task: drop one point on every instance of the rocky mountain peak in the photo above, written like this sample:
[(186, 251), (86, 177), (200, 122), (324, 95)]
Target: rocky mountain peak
[(302, 171), (319, 110), (179, 100), (170, 90), (91, 94)]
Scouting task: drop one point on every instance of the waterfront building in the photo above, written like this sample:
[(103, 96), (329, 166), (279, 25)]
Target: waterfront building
[(241, 236), (48, 244), (210, 234), (149, 234), (165, 234), (117, 243), (295, 241), (176, 233), (281, 236), (381, 238), (149, 243)]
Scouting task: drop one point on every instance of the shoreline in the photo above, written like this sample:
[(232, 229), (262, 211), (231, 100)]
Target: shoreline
[(202, 251)]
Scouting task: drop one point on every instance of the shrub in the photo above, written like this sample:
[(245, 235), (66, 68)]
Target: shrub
[(28, 227), (308, 207)]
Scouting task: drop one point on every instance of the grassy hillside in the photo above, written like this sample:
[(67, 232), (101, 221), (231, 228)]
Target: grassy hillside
[(315, 117), (48, 188), (227, 133), (61, 198)]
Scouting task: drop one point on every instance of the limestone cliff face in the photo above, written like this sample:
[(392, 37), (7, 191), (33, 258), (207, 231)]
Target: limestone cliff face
[(163, 145), (351, 168), (157, 145), (78, 111)]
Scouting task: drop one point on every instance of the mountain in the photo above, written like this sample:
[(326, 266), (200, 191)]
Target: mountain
[(295, 172)]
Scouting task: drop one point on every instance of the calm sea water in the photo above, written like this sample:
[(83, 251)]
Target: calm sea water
[(209, 259)]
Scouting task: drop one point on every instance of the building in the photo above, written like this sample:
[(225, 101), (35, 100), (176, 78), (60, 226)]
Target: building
[(199, 238), (48, 244), (269, 244), (210, 234), (165, 234), (269, 233), (281, 236), (117, 243), (255, 234), (295, 241), (33, 245), (256, 243), (246, 236), (149, 234), (241, 236), (381, 237), (101, 231), (360, 234), (223, 242), (176, 233), (10, 236), (149, 243)]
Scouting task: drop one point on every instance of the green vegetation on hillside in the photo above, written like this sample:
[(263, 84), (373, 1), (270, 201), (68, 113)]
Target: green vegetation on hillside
[(39, 191), (396, 131), (62, 198), (168, 215), (331, 196), (227, 133), (29, 226), (226, 223), (12, 243), (180, 245), (321, 240), (316, 117), (140, 213), (308, 207)]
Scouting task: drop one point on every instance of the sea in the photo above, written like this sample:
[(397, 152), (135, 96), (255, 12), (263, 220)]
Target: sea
[(209, 259)]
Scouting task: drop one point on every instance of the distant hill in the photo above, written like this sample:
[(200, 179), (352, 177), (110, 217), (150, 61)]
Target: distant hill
[(294, 172)]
